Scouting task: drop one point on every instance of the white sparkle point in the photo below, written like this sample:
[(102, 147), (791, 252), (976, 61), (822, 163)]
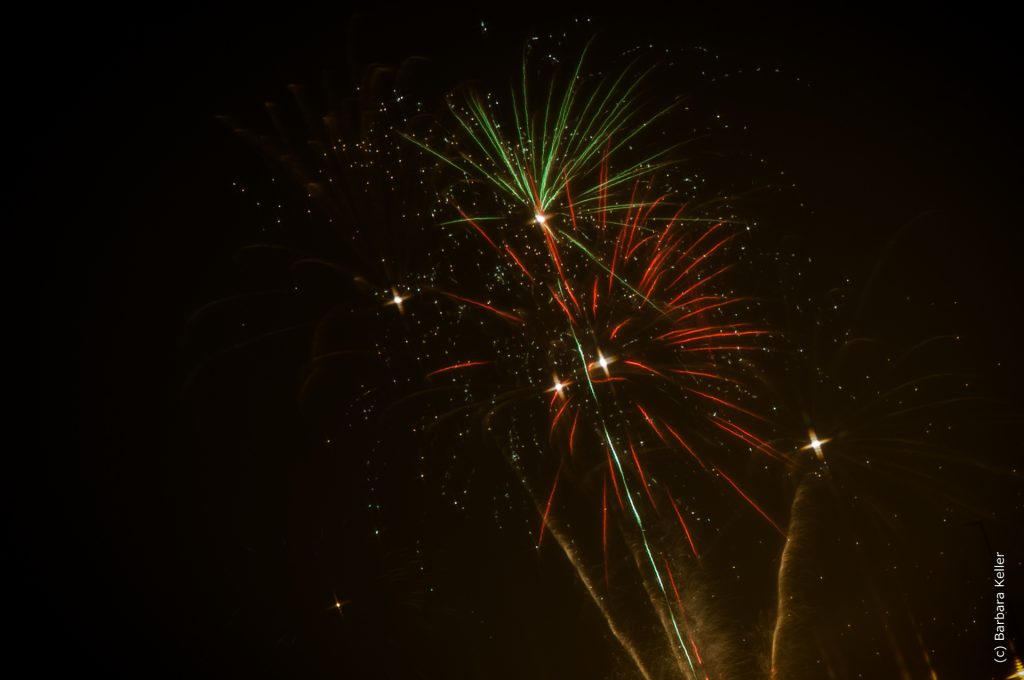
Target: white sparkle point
[(816, 445), (397, 299)]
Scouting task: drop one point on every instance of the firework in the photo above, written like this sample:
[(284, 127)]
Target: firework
[(540, 313), (596, 334)]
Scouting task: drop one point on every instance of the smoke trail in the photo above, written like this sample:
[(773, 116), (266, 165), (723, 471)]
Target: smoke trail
[(553, 530), (785, 618)]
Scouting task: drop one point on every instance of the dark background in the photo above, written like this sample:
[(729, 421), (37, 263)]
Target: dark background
[(154, 537)]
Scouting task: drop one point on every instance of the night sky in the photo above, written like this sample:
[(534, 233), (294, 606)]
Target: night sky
[(193, 510)]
